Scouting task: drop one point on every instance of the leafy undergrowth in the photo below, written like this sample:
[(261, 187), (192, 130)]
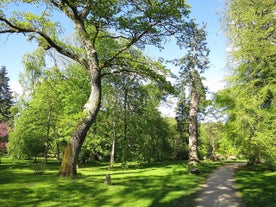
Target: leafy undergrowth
[(257, 186), (162, 184)]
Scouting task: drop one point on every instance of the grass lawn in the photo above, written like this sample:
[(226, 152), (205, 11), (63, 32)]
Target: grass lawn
[(163, 184), (257, 187)]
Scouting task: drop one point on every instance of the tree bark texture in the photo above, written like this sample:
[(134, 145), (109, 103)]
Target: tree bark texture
[(193, 153)]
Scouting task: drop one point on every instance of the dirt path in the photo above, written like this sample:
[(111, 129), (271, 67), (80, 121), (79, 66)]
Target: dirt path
[(219, 189)]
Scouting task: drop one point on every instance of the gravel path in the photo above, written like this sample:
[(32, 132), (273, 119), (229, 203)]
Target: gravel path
[(219, 189)]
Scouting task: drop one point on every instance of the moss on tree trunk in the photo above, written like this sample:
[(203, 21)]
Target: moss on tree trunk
[(66, 165)]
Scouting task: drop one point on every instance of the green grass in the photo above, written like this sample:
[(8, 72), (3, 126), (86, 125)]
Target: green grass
[(257, 187), (163, 184)]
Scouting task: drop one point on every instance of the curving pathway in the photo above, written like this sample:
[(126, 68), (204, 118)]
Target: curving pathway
[(219, 189)]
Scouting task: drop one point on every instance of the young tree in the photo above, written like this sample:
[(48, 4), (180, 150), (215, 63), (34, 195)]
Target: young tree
[(191, 65), (134, 22), (6, 98)]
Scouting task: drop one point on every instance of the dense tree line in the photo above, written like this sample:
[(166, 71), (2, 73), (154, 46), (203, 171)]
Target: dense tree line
[(129, 117)]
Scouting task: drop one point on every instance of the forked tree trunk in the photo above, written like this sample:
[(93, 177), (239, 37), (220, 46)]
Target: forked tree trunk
[(91, 108), (193, 153)]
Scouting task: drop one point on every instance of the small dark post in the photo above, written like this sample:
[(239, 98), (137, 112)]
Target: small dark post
[(107, 179), (194, 171)]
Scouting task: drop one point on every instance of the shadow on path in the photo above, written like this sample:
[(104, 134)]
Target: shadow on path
[(220, 190)]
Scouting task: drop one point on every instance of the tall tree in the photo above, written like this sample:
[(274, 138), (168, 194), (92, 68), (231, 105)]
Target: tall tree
[(191, 65), (6, 98), (134, 22), (250, 98)]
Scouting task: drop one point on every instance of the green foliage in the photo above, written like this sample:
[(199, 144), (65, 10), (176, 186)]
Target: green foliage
[(51, 114), (249, 101), (28, 137), (38, 167), (211, 137), (129, 115)]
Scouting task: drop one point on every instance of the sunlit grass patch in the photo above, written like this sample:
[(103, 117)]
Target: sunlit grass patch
[(257, 186), (160, 184)]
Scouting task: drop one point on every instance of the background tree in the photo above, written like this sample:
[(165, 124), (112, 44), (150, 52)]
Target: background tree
[(214, 142), (6, 102), (140, 23), (182, 123), (191, 65), (6, 98), (56, 103), (249, 99)]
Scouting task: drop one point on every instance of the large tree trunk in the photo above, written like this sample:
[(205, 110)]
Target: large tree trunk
[(91, 108), (193, 153)]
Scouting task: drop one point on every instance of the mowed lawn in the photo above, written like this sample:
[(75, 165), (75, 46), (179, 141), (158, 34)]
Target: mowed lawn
[(257, 186), (162, 184)]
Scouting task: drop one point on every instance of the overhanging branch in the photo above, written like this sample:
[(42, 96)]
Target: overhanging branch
[(12, 28)]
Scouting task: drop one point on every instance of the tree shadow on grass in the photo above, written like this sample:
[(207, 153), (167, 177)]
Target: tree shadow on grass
[(49, 190), (143, 186), (175, 189), (257, 187)]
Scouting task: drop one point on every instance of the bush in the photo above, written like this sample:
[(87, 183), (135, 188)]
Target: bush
[(38, 167)]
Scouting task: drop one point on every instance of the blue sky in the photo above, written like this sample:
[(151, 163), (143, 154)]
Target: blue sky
[(13, 47)]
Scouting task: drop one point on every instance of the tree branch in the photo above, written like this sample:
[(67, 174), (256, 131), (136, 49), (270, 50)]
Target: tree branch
[(86, 9), (49, 40), (132, 42), (118, 71)]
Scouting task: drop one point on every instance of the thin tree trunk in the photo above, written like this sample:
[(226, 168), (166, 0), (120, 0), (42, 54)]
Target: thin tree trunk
[(125, 130), (112, 154), (193, 153), (47, 135)]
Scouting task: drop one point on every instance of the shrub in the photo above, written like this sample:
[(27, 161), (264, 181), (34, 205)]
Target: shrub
[(38, 167)]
